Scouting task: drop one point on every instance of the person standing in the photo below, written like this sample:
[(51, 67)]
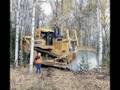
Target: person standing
[(37, 62)]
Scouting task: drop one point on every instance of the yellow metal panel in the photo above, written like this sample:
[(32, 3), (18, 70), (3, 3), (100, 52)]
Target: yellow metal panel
[(65, 47), (43, 30), (47, 30)]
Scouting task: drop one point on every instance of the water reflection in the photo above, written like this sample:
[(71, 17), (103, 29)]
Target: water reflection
[(84, 60)]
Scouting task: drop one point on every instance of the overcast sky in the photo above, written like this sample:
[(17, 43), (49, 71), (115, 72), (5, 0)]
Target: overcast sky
[(46, 8)]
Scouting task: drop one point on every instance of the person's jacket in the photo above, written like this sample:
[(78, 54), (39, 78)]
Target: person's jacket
[(38, 60)]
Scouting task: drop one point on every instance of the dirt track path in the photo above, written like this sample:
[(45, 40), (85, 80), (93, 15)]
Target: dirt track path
[(62, 80), (66, 80), (55, 79)]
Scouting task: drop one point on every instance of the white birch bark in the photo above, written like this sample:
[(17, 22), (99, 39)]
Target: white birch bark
[(34, 3), (100, 34), (32, 40), (17, 35), (76, 37), (11, 7), (21, 50)]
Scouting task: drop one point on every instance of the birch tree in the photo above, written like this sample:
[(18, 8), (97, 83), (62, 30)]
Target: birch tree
[(105, 22), (21, 49), (32, 38), (17, 34), (100, 33), (34, 3)]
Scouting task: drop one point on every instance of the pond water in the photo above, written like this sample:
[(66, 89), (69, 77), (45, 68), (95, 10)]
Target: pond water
[(84, 60)]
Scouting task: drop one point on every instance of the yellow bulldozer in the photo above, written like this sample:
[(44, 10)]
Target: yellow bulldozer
[(55, 49)]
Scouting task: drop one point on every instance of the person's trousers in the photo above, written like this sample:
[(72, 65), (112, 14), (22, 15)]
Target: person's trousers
[(38, 68)]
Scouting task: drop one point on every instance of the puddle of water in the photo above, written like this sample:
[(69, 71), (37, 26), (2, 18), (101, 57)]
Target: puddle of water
[(83, 60)]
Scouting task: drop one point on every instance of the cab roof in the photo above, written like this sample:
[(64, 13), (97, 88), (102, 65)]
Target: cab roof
[(45, 30)]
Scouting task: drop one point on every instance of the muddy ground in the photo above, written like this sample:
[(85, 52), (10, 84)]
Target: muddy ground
[(56, 79)]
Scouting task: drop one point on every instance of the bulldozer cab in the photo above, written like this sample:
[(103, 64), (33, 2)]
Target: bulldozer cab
[(48, 37), (44, 38)]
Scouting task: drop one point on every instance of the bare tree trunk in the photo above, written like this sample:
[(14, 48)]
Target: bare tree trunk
[(76, 37), (81, 39), (32, 40), (100, 34), (17, 35), (21, 50), (11, 6)]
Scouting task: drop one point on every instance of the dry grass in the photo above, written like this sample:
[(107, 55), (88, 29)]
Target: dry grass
[(54, 79)]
